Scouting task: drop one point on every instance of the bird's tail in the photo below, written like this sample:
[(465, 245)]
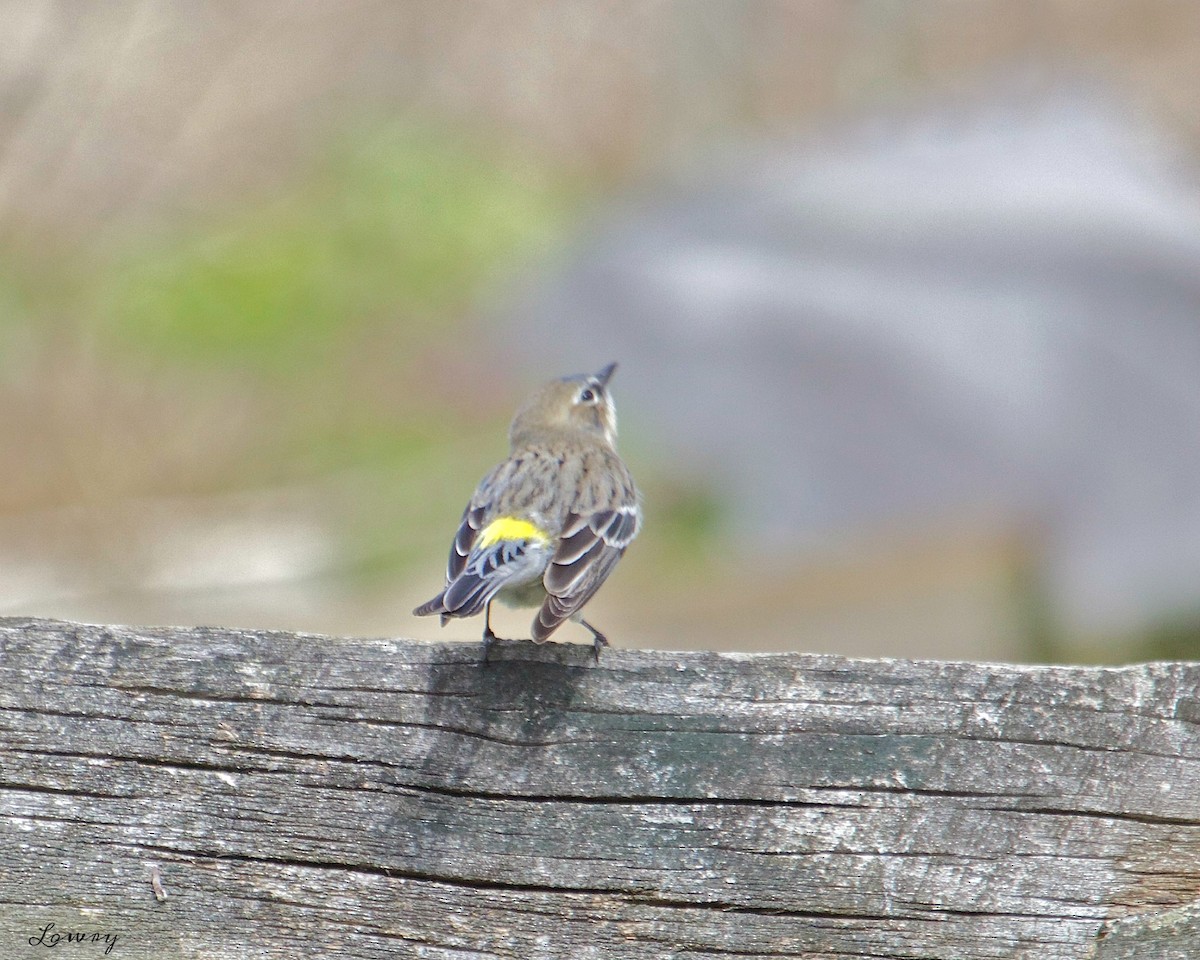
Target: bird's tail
[(429, 608)]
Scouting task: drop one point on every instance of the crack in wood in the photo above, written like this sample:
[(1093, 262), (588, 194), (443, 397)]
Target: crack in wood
[(1112, 815), (924, 912), (59, 791)]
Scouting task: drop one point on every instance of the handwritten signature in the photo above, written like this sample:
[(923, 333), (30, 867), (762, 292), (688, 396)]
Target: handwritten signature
[(47, 938)]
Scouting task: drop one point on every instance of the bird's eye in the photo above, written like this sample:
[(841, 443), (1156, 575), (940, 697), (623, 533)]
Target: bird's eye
[(587, 396)]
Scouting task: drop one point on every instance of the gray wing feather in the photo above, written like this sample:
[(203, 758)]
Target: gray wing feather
[(464, 539), (460, 551), (486, 574), (588, 550)]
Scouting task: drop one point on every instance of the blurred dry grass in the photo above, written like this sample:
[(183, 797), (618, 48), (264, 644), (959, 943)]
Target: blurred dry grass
[(112, 110), (212, 282)]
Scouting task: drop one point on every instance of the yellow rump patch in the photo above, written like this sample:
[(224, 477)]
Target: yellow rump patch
[(510, 528)]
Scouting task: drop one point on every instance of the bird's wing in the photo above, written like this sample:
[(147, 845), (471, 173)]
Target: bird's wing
[(480, 567), (588, 550), (493, 547), (464, 538), (488, 569), (474, 516), (461, 548)]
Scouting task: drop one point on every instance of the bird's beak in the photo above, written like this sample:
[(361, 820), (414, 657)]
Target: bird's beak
[(606, 374)]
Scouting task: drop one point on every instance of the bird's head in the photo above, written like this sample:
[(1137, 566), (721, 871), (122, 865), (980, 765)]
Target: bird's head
[(579, 404)]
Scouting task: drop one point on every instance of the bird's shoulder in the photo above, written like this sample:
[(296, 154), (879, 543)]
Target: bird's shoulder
[(519, 476), (605, 482), (553, 481)]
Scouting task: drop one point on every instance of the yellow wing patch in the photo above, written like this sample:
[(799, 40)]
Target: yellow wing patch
[(510, 528)]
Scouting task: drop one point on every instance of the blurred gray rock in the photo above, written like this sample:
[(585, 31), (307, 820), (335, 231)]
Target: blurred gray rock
[(991, 309)]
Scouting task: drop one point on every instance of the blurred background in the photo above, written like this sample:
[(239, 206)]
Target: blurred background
[(906, 297)]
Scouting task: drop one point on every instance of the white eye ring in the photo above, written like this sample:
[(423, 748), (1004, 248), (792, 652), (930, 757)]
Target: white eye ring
[(587, 395)]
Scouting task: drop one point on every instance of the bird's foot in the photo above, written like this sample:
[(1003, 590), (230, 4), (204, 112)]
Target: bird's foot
[(598, 639), (488, 639)]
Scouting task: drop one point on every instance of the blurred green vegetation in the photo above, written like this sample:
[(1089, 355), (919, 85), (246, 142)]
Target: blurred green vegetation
[(688, 520), (1173, 638), (397, 225)]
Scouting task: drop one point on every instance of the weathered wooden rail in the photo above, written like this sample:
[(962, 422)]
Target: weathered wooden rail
[(226, 794)]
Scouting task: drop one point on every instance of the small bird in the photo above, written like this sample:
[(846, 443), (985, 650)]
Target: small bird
[(546, 527)]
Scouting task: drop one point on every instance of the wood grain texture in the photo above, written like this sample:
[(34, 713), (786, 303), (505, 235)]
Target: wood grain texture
[(306, 796)]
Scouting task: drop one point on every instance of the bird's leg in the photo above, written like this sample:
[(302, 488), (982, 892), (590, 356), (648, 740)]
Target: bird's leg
[(488, 637), (598, 639)]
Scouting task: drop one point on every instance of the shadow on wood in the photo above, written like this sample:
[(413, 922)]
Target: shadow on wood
[(221, 793)]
